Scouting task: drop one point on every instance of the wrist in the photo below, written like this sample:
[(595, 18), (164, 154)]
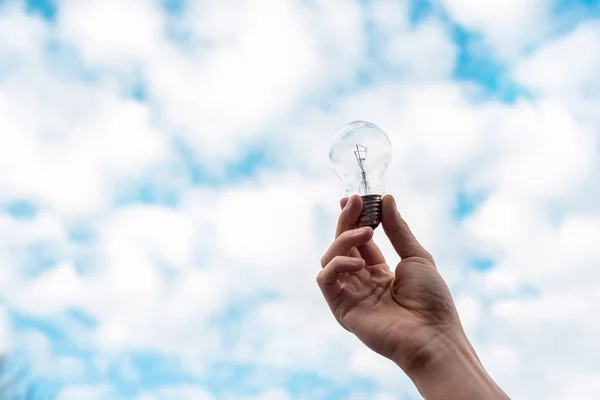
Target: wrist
[(448, 368)]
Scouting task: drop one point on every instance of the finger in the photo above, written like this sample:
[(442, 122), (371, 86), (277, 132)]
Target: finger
[(349, 215), (345, 242), (328, 277), (343, 202), (371, 253), (400, 235)]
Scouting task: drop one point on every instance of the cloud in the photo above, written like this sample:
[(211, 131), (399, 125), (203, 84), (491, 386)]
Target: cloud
[(108, 138), (509, 27), (565, 67), (179, 393), (85, 392), (5, 331), (219, 107), (175, 194), (135, 31)]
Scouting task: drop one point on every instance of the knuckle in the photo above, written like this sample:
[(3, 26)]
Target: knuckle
[(323, 261), (336, 260), (320, 278), (426, 260), (427, 256), (349, 236), (344, 236)]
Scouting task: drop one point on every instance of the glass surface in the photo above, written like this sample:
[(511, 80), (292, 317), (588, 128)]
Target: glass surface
[(360, 154)]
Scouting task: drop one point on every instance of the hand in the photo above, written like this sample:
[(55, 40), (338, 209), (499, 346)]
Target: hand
[(407, 315), (396, 314)]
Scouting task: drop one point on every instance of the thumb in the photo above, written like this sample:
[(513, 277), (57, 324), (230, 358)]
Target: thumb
[(400, 235)]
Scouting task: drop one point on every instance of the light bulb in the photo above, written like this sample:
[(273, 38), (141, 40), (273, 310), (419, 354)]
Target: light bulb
[(360, 154)]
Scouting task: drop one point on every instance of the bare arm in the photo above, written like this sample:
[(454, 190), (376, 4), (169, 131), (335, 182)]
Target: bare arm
[(449, 369)]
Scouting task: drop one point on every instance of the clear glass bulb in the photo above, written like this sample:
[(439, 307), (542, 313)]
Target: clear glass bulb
[(360, 154)]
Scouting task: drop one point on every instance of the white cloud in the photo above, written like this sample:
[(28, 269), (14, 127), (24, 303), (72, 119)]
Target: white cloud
[(161, 279), (86, 392), (581, 386), (424, 53), (270, 217), (391, 16), (5, 331), (178, 393), (469, 309), (507, 25), (365, 363), (109, 140), (566, 66), (271, 395), (55, 289), (135, 29), (220, 96)]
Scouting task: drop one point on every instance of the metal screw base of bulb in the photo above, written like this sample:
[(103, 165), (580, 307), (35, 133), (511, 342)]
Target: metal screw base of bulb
[(371, 213)]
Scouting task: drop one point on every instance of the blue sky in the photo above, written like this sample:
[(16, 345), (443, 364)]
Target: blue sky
[(165, 192)]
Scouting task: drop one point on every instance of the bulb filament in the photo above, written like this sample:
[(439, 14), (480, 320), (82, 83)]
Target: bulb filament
[(361, 156)]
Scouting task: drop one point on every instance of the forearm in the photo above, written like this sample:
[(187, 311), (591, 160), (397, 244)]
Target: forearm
[(451, 370)]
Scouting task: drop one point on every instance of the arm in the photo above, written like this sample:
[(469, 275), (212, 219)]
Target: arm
[(406, 314), (449, 369)]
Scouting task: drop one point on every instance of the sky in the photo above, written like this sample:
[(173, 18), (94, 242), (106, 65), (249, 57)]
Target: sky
[(166, 193)]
